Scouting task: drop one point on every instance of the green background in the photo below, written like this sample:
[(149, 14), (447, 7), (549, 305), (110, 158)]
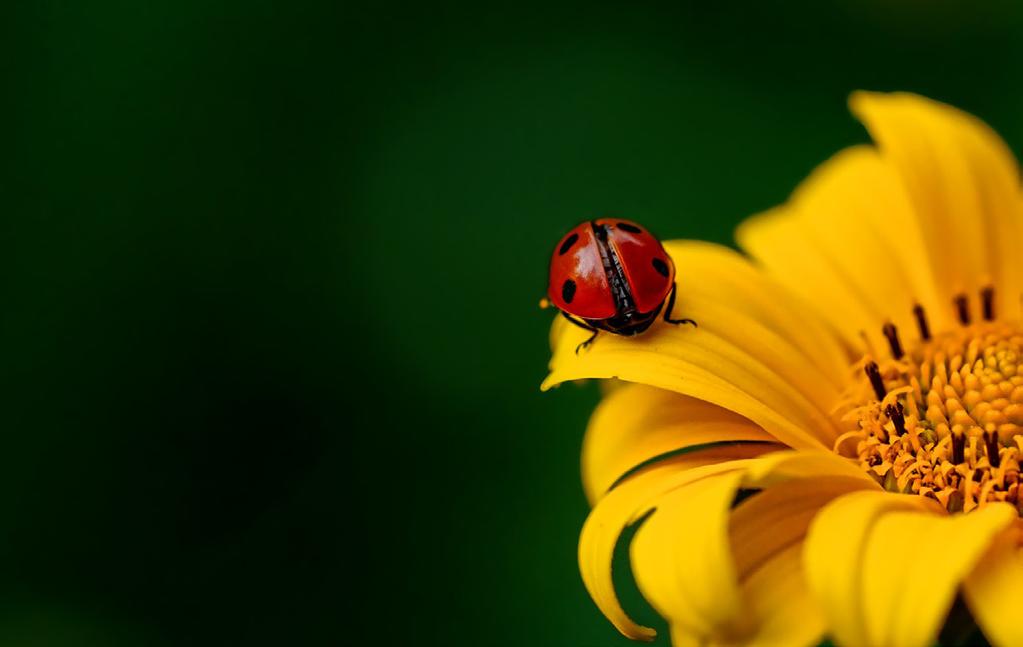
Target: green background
[(270, 272)]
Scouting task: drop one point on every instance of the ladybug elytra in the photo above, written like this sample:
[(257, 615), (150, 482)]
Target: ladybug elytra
[(612, 275)]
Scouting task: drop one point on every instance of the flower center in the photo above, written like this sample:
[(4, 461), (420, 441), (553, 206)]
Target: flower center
[(944, 418)]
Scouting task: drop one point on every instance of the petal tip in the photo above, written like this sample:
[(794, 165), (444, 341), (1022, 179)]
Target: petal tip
[(646, 634), (862, 102), (857, 98)]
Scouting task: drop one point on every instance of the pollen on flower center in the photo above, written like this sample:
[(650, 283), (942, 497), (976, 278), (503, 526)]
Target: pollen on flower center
[(943, 418)]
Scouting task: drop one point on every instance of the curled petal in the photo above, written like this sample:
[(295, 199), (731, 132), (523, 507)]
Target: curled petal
[(692, 559), (626, 505), (686, 569), (637, 423)]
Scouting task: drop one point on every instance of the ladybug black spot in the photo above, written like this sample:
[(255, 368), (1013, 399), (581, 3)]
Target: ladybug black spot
[(568, 290), (661, 267), (632, 229), (567, 245)]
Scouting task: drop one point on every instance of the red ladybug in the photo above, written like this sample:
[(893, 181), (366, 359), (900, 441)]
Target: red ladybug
[(612, 275)]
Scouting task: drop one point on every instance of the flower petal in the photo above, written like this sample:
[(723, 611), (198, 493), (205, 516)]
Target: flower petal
[(637, 423), (847, 242), (886, 567), (694, 557), (778, 517), (992, 589), (723, 276), (963, 183), (625, 505), (932, 213), (785, 611), (783, 466), (736, 359), (682, 560)]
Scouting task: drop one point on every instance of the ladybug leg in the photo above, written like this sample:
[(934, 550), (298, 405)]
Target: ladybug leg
[(586, 344), (584, 326), (671, 306)]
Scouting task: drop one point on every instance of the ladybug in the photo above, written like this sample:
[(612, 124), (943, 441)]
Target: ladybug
[(612, 275)]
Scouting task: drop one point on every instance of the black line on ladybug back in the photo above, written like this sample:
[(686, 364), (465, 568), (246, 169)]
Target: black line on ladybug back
[(616, 279), (632, 229), (661, 267), (567, 245), (568, 290)]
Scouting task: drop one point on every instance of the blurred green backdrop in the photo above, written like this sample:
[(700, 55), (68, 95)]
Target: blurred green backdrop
[(270, 273)]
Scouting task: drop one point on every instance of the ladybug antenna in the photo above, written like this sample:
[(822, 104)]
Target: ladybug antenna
[(545, 303)]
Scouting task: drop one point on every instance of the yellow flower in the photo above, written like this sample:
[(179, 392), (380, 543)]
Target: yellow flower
[(835, 451)]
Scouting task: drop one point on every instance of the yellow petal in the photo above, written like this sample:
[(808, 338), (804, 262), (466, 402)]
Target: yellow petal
[(766, 532), (624, 505), (719, 275), (694, 558), (778, 517), (785, 612), (912, 612), (833, 554), (637, 423), (703, 456), (784, 466), (935, 212), (734, 359), (992, 590), (886, 567), (963, 184), (848, 243), (682, 560)]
